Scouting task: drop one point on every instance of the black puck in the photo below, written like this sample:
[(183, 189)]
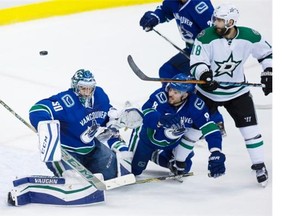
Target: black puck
[(43, 52)]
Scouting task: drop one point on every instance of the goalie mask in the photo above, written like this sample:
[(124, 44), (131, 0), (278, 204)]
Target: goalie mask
[(83, 85)]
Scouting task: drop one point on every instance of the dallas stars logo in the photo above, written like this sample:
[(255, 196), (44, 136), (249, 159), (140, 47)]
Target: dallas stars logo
[(226, 67)]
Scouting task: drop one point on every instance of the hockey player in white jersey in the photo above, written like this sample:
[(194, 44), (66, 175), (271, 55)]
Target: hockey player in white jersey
[(219, 54)]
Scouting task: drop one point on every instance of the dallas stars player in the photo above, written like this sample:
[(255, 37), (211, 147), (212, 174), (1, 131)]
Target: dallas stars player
[(218, 54)]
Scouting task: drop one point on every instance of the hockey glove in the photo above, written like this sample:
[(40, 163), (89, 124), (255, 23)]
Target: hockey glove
[(177, 167), (169, 120), (216, 164), (149, 20), (210, 84), (266, 79)]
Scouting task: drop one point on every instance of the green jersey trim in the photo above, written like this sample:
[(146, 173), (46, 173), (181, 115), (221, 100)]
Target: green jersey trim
[(244, 33)]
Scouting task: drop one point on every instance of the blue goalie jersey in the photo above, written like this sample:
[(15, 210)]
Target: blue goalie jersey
[(78, 124)]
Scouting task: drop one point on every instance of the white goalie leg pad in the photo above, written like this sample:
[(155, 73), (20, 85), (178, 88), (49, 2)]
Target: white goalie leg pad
[(124, 160), (49, 140), (71, 189), (124, 176)]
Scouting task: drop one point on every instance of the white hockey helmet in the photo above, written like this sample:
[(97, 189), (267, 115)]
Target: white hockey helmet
[(226, 12)]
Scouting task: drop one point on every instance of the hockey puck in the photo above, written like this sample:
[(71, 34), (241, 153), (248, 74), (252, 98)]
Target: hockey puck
[(44, 52)]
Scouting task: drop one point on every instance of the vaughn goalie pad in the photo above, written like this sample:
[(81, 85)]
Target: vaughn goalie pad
[(71, 189), (49, 140)]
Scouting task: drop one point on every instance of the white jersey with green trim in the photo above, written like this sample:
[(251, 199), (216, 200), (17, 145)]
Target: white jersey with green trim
[(226, 59)]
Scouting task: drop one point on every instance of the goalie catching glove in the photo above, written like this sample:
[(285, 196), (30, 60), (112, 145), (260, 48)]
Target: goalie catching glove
[(129, 118)]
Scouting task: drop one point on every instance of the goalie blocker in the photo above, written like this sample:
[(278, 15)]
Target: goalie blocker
[(49, 140)]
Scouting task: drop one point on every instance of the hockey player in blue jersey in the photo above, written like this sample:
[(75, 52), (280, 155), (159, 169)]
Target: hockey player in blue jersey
[(191, 16), (79, 114), (172, 116)]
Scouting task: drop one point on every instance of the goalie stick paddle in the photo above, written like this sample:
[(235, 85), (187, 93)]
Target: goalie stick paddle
[(163, 178), (144, 77)]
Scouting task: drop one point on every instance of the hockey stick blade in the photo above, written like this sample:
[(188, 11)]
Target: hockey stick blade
[(120, 181), (163, 178), (144, 77)]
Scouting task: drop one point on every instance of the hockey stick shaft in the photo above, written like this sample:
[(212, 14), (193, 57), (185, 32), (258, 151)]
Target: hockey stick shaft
[(169, 41), (144, 77), (163, 178), (66, 157), (17, 116)]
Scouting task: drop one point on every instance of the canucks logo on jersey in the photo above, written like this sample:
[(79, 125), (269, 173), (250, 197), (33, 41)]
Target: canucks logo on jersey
[(201, 7), (175, 131), (88, 135)]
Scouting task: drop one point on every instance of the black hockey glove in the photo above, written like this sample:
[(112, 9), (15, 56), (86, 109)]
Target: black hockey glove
[(177, 167), (149, 20), (169, 120), (266, 79), (210, 84), (216, 164)]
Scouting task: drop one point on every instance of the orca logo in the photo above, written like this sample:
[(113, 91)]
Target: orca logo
[(201, 7)]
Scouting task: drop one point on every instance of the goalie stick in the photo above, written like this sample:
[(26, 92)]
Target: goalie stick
[(164, 178), (144, 77), (78, 167)]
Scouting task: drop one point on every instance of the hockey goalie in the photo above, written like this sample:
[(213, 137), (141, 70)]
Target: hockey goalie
[(80, 143)]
